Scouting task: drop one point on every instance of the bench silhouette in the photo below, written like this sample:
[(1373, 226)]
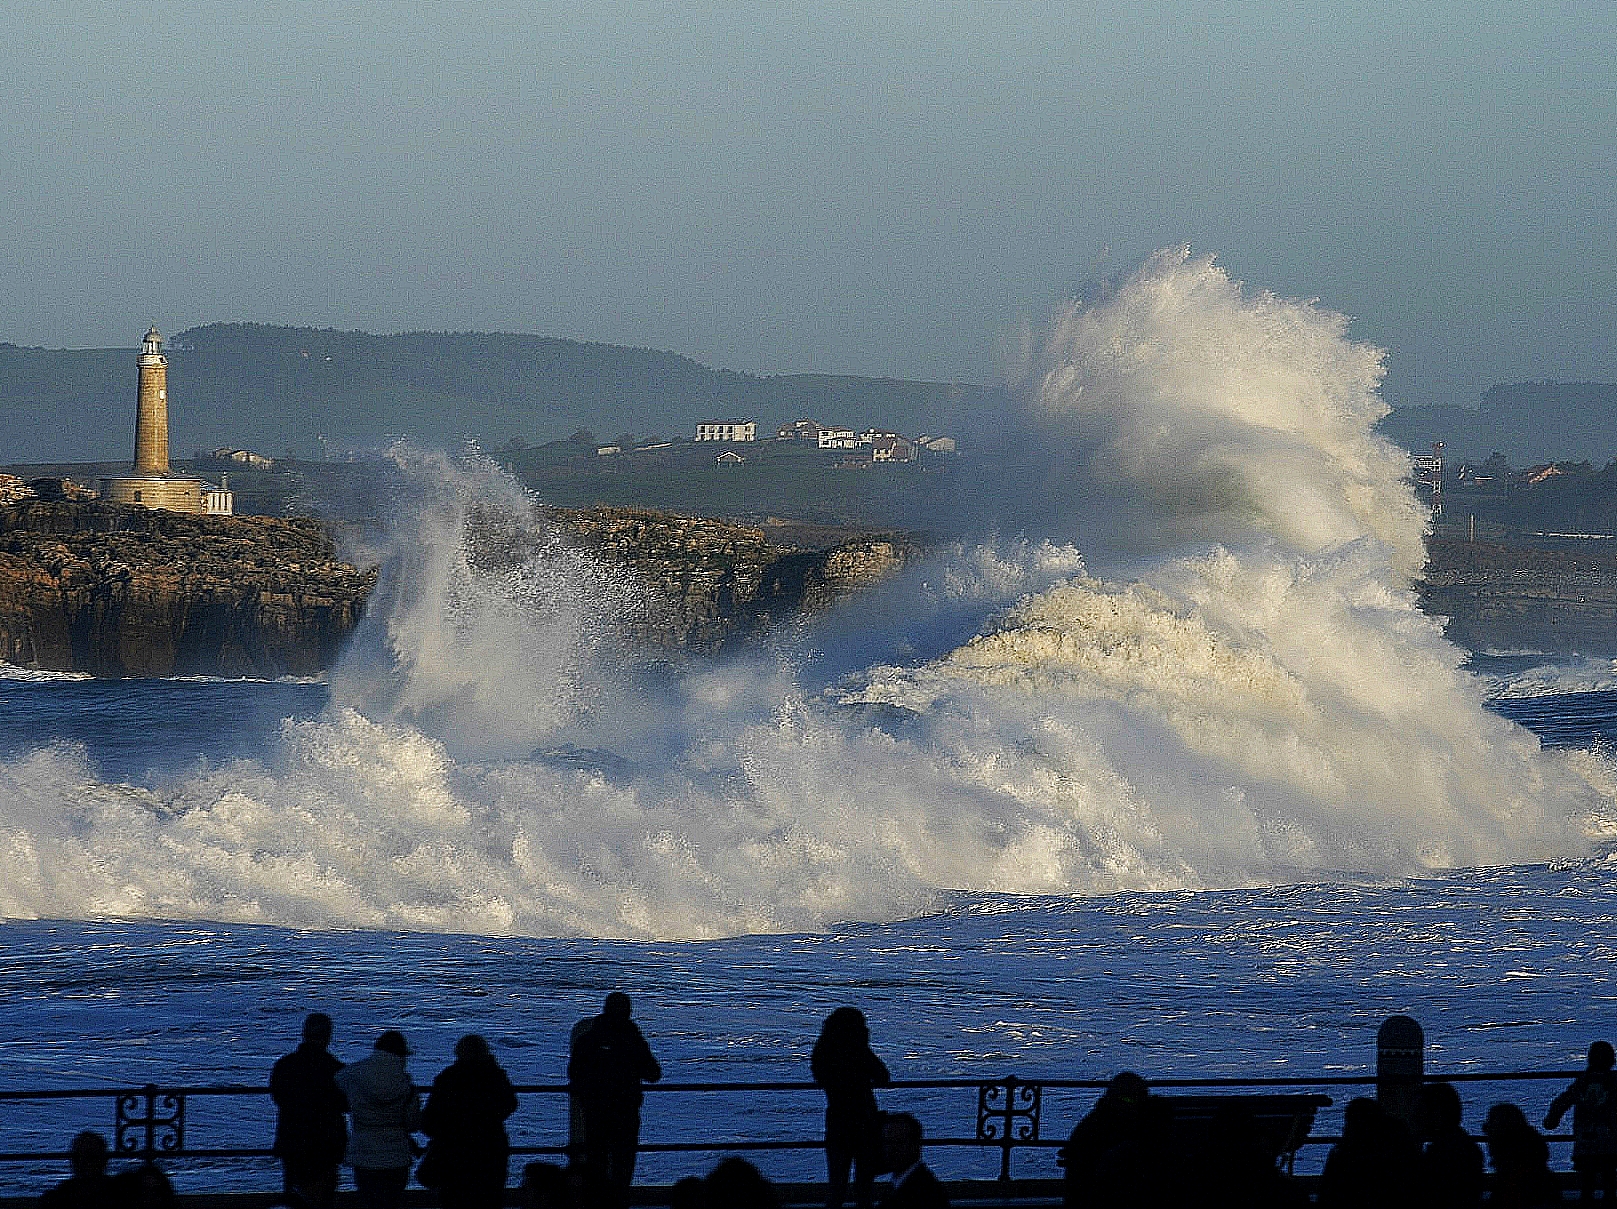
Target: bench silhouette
[(1282, 1121)]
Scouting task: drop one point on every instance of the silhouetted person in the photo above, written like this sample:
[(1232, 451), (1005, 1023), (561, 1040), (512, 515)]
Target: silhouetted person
[(546, 1186), (688, 1192), (144, 1187), (575, 1106), (1116, 1154), (384, 1111), (89, 1187), (1592, 1097), (1450, 1172), (844, 1065), (465, 1118), (609, 1063), (737, 1184), (1373, 1166), (1521, 1161), (914, 1185), (310, 1135)]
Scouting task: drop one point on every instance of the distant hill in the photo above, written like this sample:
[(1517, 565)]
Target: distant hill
[(278, 389), (1528, 422)]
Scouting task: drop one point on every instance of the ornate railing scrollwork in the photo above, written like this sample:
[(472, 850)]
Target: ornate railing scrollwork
[(1008, 1115), (150, 1122)]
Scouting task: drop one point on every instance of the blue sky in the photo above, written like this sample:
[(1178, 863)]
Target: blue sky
[(881, 187)]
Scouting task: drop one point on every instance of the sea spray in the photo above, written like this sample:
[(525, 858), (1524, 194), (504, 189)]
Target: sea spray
[(1239, 690), (485, 629)]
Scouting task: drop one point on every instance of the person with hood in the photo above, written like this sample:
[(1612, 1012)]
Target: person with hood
[(310, 1135), (844, 1065), (469, 1151), (1592, 1097), (383, 1111), (610, 1061)]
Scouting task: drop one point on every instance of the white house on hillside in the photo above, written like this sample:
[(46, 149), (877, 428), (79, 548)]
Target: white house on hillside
[(727, 430)]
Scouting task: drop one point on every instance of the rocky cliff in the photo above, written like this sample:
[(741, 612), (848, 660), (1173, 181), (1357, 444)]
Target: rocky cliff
[(712, 584), (1514, 597), (124, 591)]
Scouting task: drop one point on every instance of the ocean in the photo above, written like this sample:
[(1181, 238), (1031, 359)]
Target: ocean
[(1171, 775)]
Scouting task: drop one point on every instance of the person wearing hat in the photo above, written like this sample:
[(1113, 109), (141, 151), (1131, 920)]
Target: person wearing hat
[(383, 1111)]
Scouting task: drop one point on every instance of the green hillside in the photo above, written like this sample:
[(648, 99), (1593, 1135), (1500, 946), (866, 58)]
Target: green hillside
[(279, 390)]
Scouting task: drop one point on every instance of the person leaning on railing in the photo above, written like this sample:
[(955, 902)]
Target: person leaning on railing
[(384, 1110), (468, 1156), (609, 1061)]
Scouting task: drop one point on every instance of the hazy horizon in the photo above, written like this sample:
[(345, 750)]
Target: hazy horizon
[(890, 190)]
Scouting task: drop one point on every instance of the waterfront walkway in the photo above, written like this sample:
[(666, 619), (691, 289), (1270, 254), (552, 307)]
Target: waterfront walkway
[(992, 1139)]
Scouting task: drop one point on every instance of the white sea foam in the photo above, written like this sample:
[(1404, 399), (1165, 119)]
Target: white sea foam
[(1257, 699), (10, 671), (1543, 676)]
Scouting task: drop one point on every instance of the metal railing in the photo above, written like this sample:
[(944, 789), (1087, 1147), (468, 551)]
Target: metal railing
[(1013, 1116)]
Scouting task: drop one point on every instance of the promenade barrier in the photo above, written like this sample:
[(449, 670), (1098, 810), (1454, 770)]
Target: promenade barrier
[(218, 1137)]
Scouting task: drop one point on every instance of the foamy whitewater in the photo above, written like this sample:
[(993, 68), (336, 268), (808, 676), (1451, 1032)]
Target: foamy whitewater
[(1234, 688)]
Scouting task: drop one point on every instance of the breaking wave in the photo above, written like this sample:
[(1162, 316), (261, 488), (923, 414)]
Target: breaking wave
[(1236, 688)]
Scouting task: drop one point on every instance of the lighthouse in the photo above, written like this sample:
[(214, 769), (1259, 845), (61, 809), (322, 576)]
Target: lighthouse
[(151, 407), (150, 483)]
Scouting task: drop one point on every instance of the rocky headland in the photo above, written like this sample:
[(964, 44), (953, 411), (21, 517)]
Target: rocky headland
[(710, 585), (1508, 596), (116, 590), (124, 591)]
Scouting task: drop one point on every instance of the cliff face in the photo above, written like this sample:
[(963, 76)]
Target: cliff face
[(712, 584), (125, 591), (1499, 597)]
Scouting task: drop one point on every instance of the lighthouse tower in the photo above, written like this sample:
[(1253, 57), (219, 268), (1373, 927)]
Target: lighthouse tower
[(149, 482), (151, 407)]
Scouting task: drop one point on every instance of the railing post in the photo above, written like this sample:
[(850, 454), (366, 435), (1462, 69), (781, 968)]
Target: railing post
[(150, 1122), (1008, 1113), (1400, 1066)]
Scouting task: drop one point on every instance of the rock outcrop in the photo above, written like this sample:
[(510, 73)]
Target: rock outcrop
[(1513, 597), (125, 591), (710, 584)]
